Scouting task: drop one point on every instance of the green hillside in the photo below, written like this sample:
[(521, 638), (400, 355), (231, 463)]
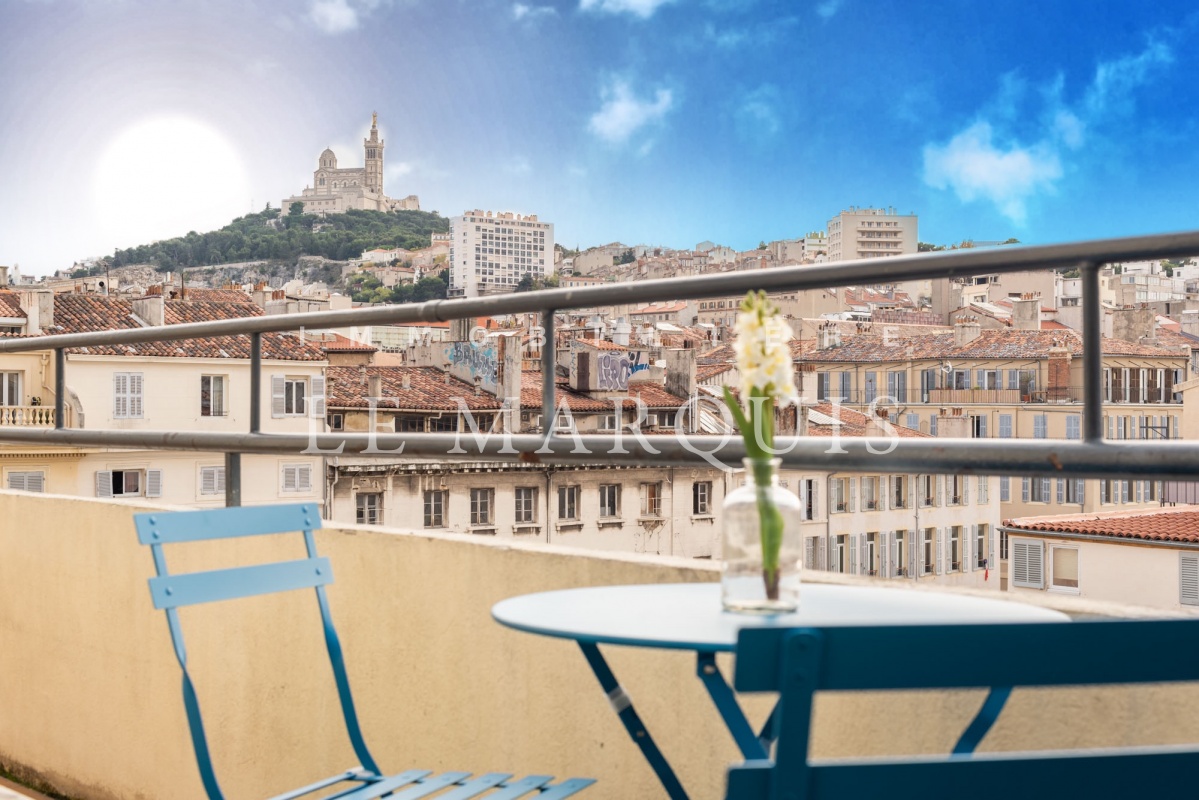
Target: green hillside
[(269, 236)]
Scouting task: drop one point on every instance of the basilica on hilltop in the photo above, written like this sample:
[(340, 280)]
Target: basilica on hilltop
[(334, 190)]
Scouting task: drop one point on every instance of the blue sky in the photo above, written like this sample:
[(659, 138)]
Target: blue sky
[(645, 121)]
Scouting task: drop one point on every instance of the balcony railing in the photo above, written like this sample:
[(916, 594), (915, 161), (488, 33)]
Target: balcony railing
[(27, 416), (1089, 457)]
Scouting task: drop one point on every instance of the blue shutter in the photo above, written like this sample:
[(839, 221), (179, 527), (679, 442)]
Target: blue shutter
[(1025, 494)]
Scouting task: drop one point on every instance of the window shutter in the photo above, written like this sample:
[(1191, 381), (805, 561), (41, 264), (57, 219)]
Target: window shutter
[(1045, 489), (1188, 580), (991, 549), (278, 387), (939, 540), (809, 552), (884, 555), (969, 534), (913, 564), (1028, 568), (1061, 490), (821, 563), (317, 404), (965, 489), (120, 395), (135, 395), (853, 554), (208, 480), (35, 481), (853, 491), (289, 479), (304, 477), (16, 480), (1024, 495), (1080, 491), (103, 483), (803, 498), (153, 483), (815, 500), (940, 481)]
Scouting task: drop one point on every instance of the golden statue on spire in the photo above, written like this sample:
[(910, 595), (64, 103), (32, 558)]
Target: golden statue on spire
[(374, 119)]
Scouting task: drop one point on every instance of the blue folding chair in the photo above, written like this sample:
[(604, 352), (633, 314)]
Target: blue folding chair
[(798, 662), (170, 592)]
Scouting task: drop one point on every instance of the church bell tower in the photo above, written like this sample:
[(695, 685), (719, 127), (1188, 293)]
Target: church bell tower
[(374, 158)]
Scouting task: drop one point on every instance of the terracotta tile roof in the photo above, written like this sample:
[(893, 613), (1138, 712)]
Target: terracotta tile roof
[(711, 371), (1004, 343), (853, 423), (1176, 338), (654, 395), (530, 396), (335, 342), (77, 313), (600, 344), (722, 354), (10, 305), (660, 308), (201, 294), (349, 387), (1053, 325), (1179, 524)]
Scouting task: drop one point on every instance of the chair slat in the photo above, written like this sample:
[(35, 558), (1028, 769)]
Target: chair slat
[(341, 777), (565, 789), (380, 788), (164, 527), (476, 786), (982, 655), (520, 788), (173, 591), (431, 785), (1141, 772)]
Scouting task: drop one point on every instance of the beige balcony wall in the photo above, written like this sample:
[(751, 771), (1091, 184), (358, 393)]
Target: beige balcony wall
[(90, 698)]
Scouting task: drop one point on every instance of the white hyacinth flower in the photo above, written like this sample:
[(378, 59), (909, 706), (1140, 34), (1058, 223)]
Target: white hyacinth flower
[(763, 356)]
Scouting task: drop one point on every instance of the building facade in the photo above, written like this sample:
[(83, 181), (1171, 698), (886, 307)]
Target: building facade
[(871, 233), (491, 252)]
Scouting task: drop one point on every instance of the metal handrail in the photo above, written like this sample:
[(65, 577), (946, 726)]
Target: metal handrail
[(1090, 457)]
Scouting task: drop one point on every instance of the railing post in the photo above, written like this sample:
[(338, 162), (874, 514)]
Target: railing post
[(60, 388), (548, 372), (255, 383), (232, 480), (1092, 355)]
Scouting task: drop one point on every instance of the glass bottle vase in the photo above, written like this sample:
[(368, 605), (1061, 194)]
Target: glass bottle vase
[(761, 513)]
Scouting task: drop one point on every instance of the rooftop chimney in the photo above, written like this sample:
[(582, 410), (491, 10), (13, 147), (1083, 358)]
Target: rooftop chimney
[(1026, 312), (965, 331), (828, 336), (621, 331), (150, 309), (1190, 322), (374, 385), (3, 276), (1059, 372), (406, 381)]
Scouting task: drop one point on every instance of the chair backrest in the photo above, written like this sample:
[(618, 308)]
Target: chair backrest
[(797, 662), (172, 591)]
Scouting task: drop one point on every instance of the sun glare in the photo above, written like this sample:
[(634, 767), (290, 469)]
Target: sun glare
[(165, 176)]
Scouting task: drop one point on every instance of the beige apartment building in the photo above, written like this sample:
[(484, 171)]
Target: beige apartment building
[(161, 386), (871, 233), (1140, 558)]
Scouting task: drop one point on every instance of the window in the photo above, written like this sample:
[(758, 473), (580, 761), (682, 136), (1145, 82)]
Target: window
[(932, 424), (1036, 490), (289, 396), (1005, 426), (928, 489), (369, 508), (978, 426), (1040, 426), (838, 500), (212, 480), (928, 552), (212, 396), (607, 422), (1064, 568), (957, 490), (10, 388), (1074, 426), (129, 483), (443, 423), (912, 421), (609, 497), (900, 493), (127, 395), (27, 481), (870, 554), (900, 545), (1188, 580), (651, 499), (822, 381), (408, 423), (808, 490), (980, 547), (957, 547), (1028, 564), (568, 502), (871, 500), (481, 502), (435, 503), (1005, 489), (984, 490), (526, 505), (297, 478), (1075, 490), (897, 386), (701, 497)]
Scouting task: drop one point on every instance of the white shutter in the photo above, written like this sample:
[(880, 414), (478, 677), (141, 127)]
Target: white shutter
[(1061, 490), (1188, 580), (135, 395), (913, 553), (853, 490), (16, 480), (153, 483), (1025, 490), (967, 547), (939, 539), (821, 546), (1045, 489), (212, 480), (120, 395), (809, 552), (278, 388), (304, 477), (940, 480), (884, 555), (103, 483), (317, 401), (1028, 564), (991, 549), (289, 478), (815, 500), (853, 554), (965, 489), (803, 500), (35, 481)]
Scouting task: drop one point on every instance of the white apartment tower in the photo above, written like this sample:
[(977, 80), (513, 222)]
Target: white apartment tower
[(870, 233), (491, 252)]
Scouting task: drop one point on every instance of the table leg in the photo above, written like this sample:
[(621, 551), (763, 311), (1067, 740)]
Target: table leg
[(623, 707), (983, 721), (726, 703)]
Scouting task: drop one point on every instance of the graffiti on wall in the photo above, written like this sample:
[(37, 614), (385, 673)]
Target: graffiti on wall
[(469, 361), (613, 370)]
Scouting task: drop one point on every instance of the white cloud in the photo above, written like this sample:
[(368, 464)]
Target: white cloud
[(976, 168), (398, 170), (517, 166), (828, 8), (987, 162), (758, 118), (624, 114), (522, 12), (638, 8), (339, 16)]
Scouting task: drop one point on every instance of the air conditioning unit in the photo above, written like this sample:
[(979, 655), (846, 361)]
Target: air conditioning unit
[(651, 420)]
